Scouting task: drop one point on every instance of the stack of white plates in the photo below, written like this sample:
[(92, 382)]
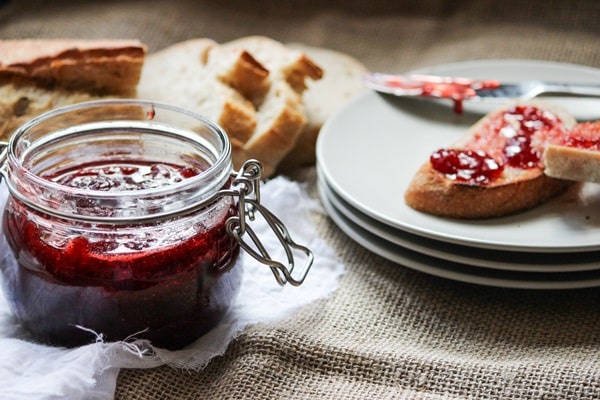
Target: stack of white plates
[(368, 152)]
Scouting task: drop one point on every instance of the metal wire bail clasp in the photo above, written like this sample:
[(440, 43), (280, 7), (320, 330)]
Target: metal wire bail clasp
[(246, 186), (3, 152)]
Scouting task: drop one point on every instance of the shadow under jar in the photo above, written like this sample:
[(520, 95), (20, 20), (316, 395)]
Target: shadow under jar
[(116, 224)]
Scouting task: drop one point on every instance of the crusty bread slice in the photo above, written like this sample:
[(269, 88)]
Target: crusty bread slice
[(19, 103), (93, 66), (516, 189), (294, 66), (432, 193), (575, 156), (281, 119), (178, 75), (39, 75), (341, 81), (280, 112)]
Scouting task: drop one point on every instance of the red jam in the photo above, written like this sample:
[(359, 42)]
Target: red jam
[(585, 135), (466, 166), (166, 281), (456, 89), (507, 139)]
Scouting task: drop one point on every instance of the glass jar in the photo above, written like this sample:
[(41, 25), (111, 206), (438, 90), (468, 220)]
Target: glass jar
[(123, 220)]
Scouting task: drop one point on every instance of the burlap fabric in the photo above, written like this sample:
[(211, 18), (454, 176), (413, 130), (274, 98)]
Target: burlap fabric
[(388, 332)]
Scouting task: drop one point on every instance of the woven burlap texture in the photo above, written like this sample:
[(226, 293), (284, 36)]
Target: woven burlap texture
[(388, 332)]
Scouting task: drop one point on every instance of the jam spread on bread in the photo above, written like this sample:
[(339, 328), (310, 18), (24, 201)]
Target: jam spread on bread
[(507, 139), (585, 135), (468, 166)]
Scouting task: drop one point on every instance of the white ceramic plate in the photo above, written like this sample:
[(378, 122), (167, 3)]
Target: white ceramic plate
[(369, 151), (457, 271), (479, 257)]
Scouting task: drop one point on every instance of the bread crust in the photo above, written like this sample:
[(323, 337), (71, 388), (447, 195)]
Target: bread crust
[(514, 191), (241, 71), (432, 193), (294, 66), (94, 66)]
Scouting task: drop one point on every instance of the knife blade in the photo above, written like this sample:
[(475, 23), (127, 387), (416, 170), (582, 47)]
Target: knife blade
[(460, 89)]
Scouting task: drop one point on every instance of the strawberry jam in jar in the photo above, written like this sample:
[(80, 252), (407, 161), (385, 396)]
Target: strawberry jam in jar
[(122, 221)]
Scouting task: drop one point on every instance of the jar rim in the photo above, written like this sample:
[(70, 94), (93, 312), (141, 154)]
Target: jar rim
[(208, 180)]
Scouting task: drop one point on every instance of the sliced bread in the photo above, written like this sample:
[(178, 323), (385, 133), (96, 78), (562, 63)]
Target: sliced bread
[(281, 119), (93, 66), (178, 75), (39, 75), (576, 155), (291, 65), (341, 82)]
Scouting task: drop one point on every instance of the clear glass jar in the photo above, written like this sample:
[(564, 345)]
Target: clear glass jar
[(118, 223)]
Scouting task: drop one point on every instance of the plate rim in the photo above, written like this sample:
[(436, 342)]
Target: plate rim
[(403, 258), (453, 255)]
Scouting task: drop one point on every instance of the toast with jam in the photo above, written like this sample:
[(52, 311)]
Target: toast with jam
[(496, 168)]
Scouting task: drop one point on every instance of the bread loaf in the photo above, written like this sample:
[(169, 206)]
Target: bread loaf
[(512, 138)]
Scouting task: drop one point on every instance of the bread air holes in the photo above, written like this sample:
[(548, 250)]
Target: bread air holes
[(20, 106)]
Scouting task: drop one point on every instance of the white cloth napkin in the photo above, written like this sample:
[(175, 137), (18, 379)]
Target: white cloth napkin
[(33, 371)]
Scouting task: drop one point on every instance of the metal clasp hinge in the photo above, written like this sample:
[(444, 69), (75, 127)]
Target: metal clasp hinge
[(246, 187)]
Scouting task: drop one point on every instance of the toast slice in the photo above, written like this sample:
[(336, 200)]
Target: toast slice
[(496, 169), (575, 156)]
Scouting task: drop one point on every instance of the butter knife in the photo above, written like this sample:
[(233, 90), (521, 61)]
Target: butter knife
[(459, 89)]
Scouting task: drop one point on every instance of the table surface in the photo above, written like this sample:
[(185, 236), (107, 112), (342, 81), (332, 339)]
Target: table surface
[(388, 331)]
